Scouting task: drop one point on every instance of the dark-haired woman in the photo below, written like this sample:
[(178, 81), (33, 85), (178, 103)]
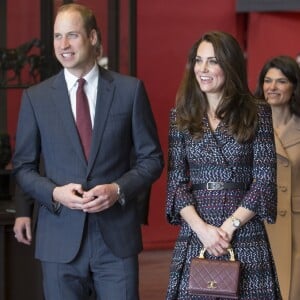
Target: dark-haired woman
[(221, 170), (279, 85)]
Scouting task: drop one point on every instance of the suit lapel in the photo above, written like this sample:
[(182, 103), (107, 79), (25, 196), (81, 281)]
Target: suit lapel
[(64, 111), (105, 94)]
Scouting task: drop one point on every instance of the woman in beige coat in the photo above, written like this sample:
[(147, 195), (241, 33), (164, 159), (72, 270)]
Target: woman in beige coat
[(279, 84)]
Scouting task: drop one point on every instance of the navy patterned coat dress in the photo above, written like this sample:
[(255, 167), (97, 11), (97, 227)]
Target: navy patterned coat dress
[(217, 156)]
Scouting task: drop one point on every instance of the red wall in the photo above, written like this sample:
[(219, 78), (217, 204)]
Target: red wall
[(271, 34), (166, 31), (165, 34), (20, 29)]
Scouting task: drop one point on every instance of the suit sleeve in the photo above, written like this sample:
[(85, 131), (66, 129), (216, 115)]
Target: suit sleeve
[(27, 156), (148, 153), (23, 203)]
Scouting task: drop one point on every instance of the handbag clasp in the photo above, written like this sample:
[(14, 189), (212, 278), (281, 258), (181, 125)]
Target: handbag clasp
[(211, 284)]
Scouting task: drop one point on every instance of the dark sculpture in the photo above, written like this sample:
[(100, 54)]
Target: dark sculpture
[(36, 64), (16, 59)]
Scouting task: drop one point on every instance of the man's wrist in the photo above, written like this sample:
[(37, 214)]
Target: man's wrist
[(56, 205), (120, 194)]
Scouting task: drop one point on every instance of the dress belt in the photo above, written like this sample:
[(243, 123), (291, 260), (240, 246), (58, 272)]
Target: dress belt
[(217, 186)]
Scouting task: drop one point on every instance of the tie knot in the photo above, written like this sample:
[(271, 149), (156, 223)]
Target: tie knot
[(81, 82)]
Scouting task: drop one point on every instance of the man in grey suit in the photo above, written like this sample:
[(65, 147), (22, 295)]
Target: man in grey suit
[(88, 233)]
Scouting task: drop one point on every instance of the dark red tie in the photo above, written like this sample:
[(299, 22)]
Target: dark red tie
[(83, 118)]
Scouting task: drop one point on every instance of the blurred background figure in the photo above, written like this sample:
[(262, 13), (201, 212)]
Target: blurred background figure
[(279, 85), (298, 59)]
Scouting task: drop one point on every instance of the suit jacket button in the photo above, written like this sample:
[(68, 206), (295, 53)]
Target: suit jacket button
[(283, 188), (282, 213)]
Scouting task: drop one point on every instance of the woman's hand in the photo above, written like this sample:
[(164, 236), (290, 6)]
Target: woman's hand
[(215, 240)]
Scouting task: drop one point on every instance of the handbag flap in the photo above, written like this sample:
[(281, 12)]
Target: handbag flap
[(217, 278)]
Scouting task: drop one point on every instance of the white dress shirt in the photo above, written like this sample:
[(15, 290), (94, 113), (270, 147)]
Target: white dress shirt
[(90, 88)]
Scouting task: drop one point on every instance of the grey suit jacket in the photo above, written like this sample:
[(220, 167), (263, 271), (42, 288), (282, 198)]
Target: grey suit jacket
[(123, 121)]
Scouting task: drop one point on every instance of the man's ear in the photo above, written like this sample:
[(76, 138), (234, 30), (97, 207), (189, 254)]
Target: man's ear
[(94, 37)]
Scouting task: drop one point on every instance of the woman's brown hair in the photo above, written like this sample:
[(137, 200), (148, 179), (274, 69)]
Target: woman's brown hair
[(237, 108)]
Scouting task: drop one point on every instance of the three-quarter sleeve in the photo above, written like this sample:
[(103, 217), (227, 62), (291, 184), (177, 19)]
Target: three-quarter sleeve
[(178, 185), (262, 195)]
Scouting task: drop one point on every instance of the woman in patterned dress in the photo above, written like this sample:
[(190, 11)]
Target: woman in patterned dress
[(279, 85), (221, 171)]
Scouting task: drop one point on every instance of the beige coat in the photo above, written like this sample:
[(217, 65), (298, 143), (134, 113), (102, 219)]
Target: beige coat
[(284, 235)]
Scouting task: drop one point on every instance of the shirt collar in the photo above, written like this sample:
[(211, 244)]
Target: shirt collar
[(71, 80)]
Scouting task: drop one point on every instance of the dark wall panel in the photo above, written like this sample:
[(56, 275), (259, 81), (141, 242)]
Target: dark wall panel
[(267, 5)]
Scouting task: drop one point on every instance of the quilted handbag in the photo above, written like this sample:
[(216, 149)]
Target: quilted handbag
[(214, 278)]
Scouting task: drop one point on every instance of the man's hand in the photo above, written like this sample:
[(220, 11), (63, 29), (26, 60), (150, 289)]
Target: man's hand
[(22, 230), (70, 195), (103, 197)]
